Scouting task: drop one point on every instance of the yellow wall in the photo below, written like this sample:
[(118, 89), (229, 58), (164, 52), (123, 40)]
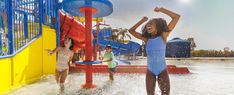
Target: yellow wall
[(5, 74), (29, 64), (49, 42)]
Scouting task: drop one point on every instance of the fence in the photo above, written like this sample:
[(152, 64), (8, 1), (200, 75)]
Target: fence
[(21, 22)]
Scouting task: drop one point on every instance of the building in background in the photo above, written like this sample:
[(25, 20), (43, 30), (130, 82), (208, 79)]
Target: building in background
[(178, 48)]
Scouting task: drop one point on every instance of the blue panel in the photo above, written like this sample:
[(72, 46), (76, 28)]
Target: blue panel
[(88, 62), (104, 7)]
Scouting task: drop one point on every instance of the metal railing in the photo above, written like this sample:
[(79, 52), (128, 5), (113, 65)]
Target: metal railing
[(49, 8), (25, 22), (21, 22)]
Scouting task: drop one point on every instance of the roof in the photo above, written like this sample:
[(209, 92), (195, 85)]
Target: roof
[(178, 40)]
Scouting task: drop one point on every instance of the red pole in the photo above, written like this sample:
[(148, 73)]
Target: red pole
[(88, 48)]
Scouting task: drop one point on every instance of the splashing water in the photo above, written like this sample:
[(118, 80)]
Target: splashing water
[(207, 78)]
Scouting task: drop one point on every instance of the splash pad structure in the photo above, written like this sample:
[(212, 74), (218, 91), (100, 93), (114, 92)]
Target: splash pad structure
[(88, 9)]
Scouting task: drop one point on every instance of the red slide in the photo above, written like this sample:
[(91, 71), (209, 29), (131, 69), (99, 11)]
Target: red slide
[(69, 27)]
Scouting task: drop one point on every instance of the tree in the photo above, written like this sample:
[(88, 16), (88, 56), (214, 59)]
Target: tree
[(114, 36), (226, 51), (122, 34)]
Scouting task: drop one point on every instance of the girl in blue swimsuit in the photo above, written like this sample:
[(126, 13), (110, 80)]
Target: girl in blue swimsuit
[(155, 34)]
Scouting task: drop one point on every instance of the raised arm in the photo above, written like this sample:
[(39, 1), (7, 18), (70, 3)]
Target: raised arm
[(132, 30), (175, 18), (50, 52)]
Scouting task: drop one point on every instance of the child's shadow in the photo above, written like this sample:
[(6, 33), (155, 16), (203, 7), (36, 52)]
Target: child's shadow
[(96, 91)]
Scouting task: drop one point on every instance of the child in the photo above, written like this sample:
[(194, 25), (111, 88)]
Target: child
[(155, 34), (64, 56), (109, 58)]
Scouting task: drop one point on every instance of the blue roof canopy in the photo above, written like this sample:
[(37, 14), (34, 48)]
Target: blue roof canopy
[(178, 40), (103, 7)]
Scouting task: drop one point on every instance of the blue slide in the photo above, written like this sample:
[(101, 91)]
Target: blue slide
[(117, 47)]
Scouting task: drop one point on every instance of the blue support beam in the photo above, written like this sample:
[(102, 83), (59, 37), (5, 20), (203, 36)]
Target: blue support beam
[(41, 13), (25, 26), (10, 27), (57, 26)]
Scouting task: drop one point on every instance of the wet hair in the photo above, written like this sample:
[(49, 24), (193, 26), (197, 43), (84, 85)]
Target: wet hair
[(72, 44), (161, 26), (108, 46), (3, 44)]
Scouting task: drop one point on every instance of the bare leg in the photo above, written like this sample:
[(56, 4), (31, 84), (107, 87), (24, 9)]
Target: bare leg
[(111, 73), (62, 80), (150, 82), (164, 82), (111, 76), (57, 76)]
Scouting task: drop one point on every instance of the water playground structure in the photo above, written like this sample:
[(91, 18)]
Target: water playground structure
[(28, 27)]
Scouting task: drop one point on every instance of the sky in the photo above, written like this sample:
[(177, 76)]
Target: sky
[(209, 22)]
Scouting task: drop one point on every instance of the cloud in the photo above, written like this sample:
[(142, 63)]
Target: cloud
[(209, 22)]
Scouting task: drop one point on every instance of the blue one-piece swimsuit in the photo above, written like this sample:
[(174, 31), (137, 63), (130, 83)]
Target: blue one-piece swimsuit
[(156, 49)]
